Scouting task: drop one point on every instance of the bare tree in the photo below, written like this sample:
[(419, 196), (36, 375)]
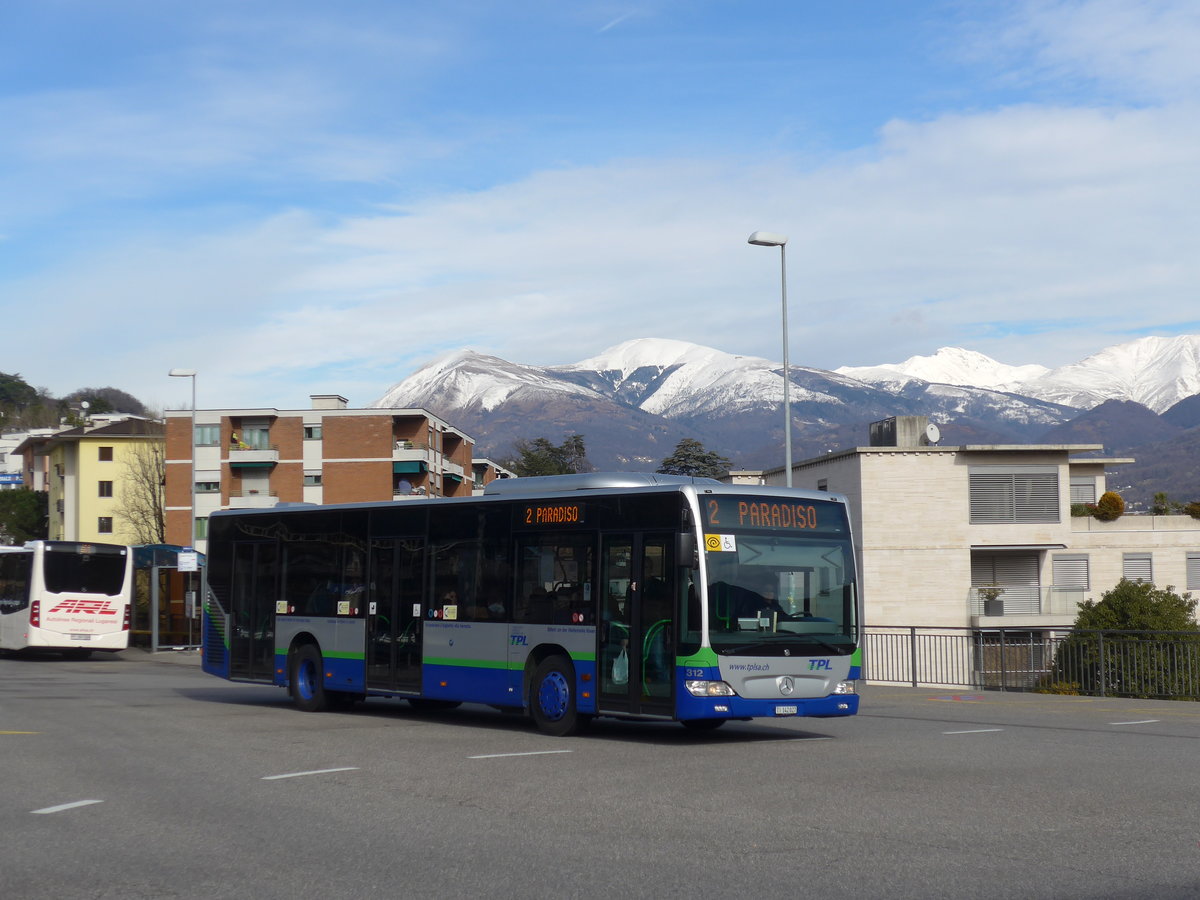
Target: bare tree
[(142, 505)]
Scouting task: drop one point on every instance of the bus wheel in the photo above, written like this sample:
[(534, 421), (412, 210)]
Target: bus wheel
[(703, 724), (552, 698), (306, 681)]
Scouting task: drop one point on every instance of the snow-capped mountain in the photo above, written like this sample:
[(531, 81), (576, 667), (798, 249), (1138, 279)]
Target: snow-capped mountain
[(1153, 371), (635, 401), (950, 365), (1156, 372)]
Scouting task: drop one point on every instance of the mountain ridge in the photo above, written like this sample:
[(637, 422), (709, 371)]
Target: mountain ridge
[(635, 401)]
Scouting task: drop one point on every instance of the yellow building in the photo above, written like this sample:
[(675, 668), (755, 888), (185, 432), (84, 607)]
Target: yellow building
[(98, 475)]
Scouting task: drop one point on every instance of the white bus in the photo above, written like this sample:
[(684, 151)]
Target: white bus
[(65, 596)]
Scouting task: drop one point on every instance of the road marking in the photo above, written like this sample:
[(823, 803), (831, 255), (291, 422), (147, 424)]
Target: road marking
[(974, 731), (313, 772), (64, 806), (532, 753), (20, 732), (1140, 722)]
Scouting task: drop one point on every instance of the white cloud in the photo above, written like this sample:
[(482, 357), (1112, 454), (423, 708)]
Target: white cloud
[(1038, 232)]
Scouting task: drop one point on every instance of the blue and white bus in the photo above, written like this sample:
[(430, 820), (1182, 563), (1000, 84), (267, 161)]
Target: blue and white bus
[(66, 596), (627, 595)]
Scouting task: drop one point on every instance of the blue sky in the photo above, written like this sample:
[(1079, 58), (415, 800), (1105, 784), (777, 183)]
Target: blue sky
[(301, 197)]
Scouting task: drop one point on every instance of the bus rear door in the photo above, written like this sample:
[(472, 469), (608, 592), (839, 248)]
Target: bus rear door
[(253, 595), (394, 615)]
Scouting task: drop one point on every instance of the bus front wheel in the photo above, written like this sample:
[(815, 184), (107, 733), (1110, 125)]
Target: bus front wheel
[(306, 680), (552, 698)]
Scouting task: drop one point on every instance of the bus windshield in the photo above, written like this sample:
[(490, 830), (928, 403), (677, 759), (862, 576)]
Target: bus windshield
[(84, 569), (780, 583)]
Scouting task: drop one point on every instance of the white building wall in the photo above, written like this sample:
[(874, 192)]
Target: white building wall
[(911, 513)]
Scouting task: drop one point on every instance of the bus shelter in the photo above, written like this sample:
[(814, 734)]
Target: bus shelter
[(166, 593)]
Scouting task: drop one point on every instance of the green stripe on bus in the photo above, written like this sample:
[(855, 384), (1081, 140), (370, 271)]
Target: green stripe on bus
[(856, 657), (466, 663), (513, 665), (332, 654)]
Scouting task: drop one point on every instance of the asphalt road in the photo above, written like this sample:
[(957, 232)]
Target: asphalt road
[(139, 776)]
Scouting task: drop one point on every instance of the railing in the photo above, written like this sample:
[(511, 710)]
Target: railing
[(1093, 663), (1025, 600), (243, 453)]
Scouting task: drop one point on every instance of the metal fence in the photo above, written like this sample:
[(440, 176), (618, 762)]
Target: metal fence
[(1094, 663)]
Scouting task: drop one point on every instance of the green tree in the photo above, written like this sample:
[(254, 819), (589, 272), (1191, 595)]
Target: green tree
[(23, 516), (1137, 641), (1164, 505), (540, 457), (690, 458)]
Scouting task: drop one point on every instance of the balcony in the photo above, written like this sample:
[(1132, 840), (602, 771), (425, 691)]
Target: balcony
[(253, 457), (253, 499), (1024, 604)]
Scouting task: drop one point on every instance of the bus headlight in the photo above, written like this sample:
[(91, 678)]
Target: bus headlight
[(709, 689), (845, 687)]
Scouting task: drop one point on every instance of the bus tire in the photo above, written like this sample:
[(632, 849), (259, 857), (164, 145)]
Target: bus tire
[(306, 680), (552, 698), (702, 724)]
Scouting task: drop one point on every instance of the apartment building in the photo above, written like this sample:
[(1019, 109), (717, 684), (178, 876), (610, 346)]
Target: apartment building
[(982, 536), (89, 474), (255, 458), (485, 471)]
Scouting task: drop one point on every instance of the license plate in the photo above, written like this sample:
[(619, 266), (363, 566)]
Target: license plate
[(785, 710), (81, 637)]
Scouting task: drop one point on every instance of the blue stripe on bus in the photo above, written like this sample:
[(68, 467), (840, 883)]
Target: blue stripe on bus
[(473, 684)]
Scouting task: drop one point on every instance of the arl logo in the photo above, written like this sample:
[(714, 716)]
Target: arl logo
[(84, 606), (814, 664)]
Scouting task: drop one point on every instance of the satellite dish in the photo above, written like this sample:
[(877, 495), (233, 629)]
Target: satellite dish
[(932, 433)]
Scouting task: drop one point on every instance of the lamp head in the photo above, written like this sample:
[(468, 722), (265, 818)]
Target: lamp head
[(767, 239), (182, 373)]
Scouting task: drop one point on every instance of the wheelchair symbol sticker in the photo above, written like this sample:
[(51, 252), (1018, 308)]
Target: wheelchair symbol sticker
[(720, 543)]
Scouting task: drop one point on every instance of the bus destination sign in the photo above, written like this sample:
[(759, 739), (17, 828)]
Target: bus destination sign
[(547, 514), (731, 512)]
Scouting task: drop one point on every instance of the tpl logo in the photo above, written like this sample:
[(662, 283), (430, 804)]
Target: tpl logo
[(518, 640), (819, 664), (84, 606)]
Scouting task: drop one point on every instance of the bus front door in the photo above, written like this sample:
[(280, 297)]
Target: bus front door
[(254, 588), (394, 615), (636, 644)]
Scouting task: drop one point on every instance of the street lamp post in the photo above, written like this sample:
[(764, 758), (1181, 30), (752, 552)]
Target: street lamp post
[(191, 544), (767, 239)]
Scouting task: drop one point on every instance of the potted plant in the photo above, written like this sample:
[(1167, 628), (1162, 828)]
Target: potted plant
[(992, 604)]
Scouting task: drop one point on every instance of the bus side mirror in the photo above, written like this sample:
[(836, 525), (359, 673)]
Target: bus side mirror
[(686, 550)]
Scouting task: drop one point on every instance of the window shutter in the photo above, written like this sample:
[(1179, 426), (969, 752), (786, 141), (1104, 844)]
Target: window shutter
[(1137, 567), (1070, 572), (1193, 571), (1083, 489), (1026, 494), (991, 497)]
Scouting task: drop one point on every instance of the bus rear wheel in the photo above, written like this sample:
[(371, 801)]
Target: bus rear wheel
[(306, 680), (552, 698)]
